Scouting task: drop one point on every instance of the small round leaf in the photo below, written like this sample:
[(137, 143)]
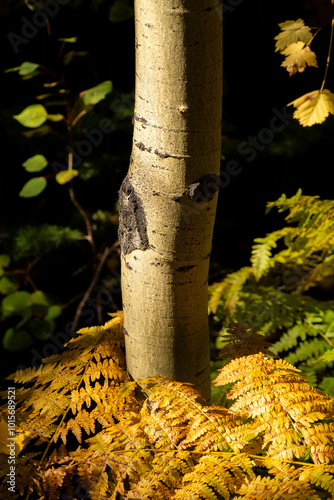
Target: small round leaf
[(53, 312), (7, 285), (32, 116), (16, 340), (66, 176), (120, 11), (16, 302), (96, 94), (4, 260), (33, 187), (27, 68), (35, 163), (56, 118)]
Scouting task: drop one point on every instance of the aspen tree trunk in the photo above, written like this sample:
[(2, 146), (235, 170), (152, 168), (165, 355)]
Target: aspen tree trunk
[(168, 199)]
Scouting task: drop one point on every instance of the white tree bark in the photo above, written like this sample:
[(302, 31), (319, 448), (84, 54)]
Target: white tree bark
[(168, 199)]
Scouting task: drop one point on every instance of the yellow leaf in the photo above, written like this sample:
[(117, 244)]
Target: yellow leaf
[(292, 32), (20, 439), (313, 107), (66, 176), (297, 57)]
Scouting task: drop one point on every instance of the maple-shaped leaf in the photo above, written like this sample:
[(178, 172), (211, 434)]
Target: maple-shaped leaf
[(313, 107), (292, 32), (298, 56)]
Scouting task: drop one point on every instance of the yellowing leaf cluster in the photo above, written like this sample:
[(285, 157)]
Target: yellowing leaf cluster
[(313, 107), (293, 42), (292, 32), (298, 55)]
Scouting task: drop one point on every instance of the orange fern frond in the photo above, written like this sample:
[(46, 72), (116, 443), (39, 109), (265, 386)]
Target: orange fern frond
[(282, 405)]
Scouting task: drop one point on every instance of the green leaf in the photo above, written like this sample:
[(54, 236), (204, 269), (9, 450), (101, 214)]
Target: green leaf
[(16, 301), (26, 68), (33, 187), (7, 285), (40, 328), (66, 176), (35, 163), (32, 116), (4, 260), (73, 53), (96, 94), (39, 297), (16, 340), (56, 118), (72, 39), (53, 312), (120, 11)]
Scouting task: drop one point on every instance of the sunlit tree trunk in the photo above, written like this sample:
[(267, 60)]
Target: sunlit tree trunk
[(168, 199)]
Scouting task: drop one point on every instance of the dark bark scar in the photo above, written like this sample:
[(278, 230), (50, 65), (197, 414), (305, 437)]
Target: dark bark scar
[(132, 229)]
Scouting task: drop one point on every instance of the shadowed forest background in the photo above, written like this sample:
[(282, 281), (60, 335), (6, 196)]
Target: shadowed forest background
[(256, 89)]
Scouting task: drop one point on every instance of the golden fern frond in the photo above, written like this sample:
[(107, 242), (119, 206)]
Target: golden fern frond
[(214, 477), (242, 340), (165, 475), (283, 407), (173, 417), (228, 291), (120, 452), (67, 383), (318, 475), (265, 488)]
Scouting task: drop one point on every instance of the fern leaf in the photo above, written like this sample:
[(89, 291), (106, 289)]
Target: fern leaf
[(31, 241), (261, 258), (229, 290), (308, 350), (173, 417), (319, 476), (211, 478), (265, 488), (242, 341), (281, 404)]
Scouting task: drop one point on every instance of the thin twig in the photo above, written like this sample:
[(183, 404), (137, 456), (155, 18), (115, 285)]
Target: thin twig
[(105, 255), (79, 207), (328, 56)]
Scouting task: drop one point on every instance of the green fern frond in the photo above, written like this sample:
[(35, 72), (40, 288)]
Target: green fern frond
[(229, 290), (308, 350), (31, 241), (261, 258)]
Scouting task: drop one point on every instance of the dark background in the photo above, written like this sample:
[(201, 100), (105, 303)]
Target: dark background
[(254, 87)]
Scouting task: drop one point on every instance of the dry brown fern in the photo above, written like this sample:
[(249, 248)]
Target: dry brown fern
[(102, 436)]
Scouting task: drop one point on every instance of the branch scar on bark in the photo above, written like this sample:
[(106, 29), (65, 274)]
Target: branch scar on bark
[(132, 230), (205, 189)]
